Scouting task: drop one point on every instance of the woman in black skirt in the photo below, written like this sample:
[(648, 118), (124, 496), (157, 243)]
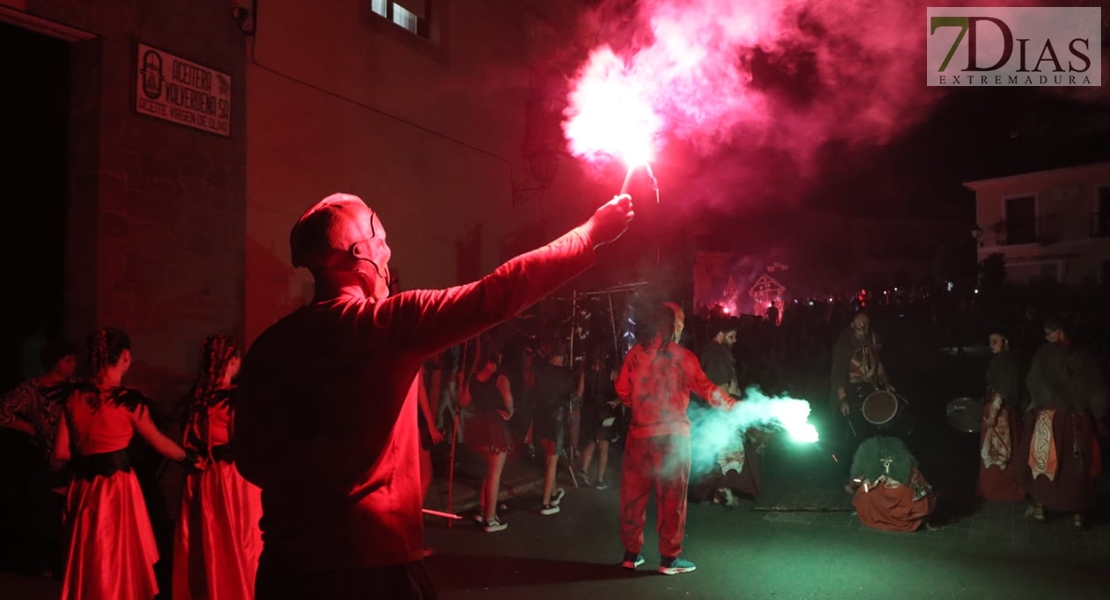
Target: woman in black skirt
[(487, 432)]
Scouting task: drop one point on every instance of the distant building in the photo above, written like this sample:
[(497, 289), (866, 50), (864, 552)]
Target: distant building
[(1050, 225)]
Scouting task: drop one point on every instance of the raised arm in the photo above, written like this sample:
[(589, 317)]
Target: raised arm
[(430, 321), (146, 428)]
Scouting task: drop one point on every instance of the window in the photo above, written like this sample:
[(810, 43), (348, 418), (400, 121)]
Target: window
[(1021, 220), (411, 15)]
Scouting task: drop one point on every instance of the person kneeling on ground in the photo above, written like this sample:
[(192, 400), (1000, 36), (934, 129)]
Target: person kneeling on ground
[(892, 495)]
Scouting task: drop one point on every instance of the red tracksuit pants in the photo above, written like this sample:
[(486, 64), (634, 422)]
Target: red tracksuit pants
[(663, 463)]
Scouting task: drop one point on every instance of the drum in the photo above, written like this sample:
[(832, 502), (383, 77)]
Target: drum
[(887, 412), (880, 407), (964, 414)]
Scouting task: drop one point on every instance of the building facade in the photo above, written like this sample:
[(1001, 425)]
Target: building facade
[(197, 133), (443, 116), (154, 210), (1048, 225)]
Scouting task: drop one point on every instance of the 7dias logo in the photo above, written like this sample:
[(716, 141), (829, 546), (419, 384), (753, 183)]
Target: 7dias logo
[(1028, 47)]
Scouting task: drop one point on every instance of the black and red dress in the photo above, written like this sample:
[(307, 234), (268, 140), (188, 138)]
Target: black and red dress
[(217, 543), (487, 430), (111, 546)]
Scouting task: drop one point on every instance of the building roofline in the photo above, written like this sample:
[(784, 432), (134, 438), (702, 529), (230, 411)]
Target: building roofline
[(974, 185)]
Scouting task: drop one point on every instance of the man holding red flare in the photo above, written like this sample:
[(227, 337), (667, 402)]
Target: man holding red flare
[(326, 421)]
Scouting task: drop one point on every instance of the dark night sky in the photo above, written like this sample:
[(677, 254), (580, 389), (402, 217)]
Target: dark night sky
[(971, 134)]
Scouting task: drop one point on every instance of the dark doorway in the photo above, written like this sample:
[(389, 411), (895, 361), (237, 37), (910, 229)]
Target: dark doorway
[(35, 70)]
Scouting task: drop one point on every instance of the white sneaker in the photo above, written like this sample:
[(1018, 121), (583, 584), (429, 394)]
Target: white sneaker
[(557, 497), (494, 524), (549, 509)]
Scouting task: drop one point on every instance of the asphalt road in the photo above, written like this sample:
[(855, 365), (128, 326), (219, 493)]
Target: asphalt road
[(740, 553)]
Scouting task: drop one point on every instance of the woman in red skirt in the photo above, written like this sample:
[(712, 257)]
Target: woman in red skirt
[(487, 432), (111, 552), (1000, 433), (218, 542)]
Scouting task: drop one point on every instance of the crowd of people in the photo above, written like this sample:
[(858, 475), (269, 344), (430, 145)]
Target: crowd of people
[(308, 459)]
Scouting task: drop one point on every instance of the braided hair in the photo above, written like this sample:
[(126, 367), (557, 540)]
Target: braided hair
[(216, 352), (106, 346)]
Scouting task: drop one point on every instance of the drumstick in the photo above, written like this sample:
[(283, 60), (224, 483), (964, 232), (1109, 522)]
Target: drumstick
[(436, 513)]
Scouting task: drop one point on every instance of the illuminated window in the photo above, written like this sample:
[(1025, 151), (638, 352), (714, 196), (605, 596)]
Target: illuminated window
[(411, 15)]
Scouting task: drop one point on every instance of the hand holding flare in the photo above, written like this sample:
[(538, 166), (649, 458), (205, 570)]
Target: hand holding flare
[(610, 115), (647, 169)]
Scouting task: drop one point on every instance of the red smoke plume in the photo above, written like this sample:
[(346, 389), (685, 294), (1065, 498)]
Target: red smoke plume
[(785, 77)]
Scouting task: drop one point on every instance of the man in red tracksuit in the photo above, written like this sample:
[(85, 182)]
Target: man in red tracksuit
[(656, 381)]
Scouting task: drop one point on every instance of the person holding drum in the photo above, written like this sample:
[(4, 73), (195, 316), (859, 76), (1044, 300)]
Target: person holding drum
[(857, 372), (1001, 425), (1059, 456)]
